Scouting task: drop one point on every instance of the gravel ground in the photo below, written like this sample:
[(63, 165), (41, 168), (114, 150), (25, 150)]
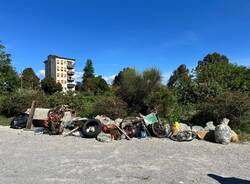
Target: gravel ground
[(26, 158)]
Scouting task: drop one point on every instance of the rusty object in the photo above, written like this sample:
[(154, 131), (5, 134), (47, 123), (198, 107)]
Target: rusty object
[(53, 122), (115, 131), (108, 128)]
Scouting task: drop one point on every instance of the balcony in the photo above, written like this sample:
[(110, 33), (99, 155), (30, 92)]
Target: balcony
[(70, 66), (71, 85), (71, 79), (71, 72)]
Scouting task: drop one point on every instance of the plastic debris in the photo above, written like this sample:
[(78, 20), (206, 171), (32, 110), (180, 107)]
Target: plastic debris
[(223, 132), (235, 137), (105, 120), (103, 137), (175, 127), (184, 127), (197, 128), (210, 126)]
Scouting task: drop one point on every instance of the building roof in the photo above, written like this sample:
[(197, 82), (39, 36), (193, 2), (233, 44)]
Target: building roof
[(51, 55)]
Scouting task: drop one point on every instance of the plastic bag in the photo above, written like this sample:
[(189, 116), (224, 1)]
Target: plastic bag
[(20, 121), (223, 132)]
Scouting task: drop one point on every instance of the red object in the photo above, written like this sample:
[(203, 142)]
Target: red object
[(107, 129)]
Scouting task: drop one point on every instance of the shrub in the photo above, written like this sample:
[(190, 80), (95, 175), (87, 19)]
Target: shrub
[(232, 105), (59, 98), (84, 105), (21, 100), (162, 100), (111, 106), (134, 88)]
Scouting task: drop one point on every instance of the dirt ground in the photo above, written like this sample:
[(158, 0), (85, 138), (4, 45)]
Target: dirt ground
[(26, 158)]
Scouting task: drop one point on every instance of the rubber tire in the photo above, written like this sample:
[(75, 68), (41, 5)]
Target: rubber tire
[(92, 122)]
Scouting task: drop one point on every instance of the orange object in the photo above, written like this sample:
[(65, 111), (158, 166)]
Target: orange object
[(202, 134), (235, 137)]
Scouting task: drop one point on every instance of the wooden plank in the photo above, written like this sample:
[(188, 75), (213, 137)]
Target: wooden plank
[(72, 131), (31, 115), (122, 132)]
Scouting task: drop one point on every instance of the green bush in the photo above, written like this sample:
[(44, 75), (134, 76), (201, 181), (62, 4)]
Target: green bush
[(59, 98), (134, 87), (162, 100), (21, 100), (84, 105), (111, 106), (232, 105), (5, 121)]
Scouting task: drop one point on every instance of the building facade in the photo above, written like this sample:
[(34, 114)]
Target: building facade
[(62, 70)]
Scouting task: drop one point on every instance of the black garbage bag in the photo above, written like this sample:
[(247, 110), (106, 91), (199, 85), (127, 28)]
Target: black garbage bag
[(19, 121)]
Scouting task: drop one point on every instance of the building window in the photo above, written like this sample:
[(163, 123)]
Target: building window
[(64, 75), (65, 69), (61, 62), (58, 75), (58, 69), (62, 69)]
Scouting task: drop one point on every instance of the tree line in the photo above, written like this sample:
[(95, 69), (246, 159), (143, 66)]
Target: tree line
[(214, 89)]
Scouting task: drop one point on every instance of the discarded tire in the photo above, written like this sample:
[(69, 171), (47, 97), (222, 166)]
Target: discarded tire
[(157, 130), (91, 128)]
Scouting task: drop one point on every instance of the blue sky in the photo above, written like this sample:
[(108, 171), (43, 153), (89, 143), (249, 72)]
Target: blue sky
[(125, 33)]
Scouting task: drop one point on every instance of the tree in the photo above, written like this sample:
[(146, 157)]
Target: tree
[(50, 86), (181, 83), (179, 77), (29, 79), (213, 58), (9, 79), (88, 76), (219, 75), (101, 85), (117, 80), (92, 85), (134, 88), (88, 70)]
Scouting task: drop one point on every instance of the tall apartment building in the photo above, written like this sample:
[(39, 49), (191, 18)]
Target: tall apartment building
[(62, 70)]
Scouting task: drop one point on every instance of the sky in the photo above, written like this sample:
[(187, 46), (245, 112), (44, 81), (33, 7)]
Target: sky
[(124, 33)]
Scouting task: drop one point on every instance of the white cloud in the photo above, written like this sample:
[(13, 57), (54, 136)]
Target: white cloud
[(41, 74), (165, 77), (109, 79), (78, 76)]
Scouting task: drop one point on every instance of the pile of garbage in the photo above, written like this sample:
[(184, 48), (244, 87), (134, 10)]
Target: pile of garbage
[(61, 121)]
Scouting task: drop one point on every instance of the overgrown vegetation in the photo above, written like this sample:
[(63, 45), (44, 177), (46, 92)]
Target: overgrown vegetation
[(214, 89)]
